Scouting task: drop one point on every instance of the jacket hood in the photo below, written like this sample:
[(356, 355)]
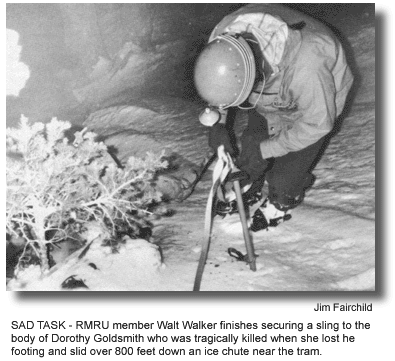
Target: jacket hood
[(270, 31)]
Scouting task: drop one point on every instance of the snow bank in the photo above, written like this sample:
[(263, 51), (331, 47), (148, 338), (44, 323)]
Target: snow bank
[(17, 72), (132, 267)]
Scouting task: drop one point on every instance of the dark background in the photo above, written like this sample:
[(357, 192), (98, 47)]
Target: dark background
[(84, 57)]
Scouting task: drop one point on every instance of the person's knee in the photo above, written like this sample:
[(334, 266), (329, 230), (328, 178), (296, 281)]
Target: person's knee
[(284, 202), (287, 194), (287, 198)]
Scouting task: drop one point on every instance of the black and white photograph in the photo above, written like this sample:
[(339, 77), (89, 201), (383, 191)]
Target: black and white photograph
[(190, 147)]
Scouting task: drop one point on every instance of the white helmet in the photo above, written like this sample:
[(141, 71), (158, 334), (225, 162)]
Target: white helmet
[(225, 71)]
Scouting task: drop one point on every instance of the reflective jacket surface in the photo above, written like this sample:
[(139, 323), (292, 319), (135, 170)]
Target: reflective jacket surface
[(309, 86)]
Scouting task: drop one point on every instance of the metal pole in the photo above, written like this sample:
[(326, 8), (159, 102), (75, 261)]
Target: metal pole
[(243, 219)]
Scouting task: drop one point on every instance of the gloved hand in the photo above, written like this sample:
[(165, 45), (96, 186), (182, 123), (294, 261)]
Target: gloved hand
[(219, 135), (251, 160)]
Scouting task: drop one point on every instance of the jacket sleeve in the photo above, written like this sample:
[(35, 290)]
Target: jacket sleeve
[(313, 89)]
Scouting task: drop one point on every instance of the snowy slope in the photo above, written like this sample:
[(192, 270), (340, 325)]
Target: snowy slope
[(328, 245)]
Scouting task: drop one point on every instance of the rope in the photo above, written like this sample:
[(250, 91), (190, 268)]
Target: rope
[(221, 170)]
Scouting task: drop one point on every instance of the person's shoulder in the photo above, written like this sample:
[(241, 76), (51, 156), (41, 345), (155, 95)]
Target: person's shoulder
[(318, 45)]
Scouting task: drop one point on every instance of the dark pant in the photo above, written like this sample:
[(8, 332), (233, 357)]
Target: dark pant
[(287, 176)]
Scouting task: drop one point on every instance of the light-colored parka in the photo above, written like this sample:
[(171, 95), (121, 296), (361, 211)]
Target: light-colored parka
[(310, 81)]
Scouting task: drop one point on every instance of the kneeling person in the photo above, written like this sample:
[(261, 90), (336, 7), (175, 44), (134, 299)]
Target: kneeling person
[(293, 80)]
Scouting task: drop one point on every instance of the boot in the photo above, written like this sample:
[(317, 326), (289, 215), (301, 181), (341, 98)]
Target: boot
[(250, 197), (268, 216)]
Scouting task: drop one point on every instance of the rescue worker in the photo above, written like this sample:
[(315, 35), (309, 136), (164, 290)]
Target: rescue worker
[(293, 79)]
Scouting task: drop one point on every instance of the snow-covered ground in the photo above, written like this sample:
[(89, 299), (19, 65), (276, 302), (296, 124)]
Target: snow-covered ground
[(328, 245)]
